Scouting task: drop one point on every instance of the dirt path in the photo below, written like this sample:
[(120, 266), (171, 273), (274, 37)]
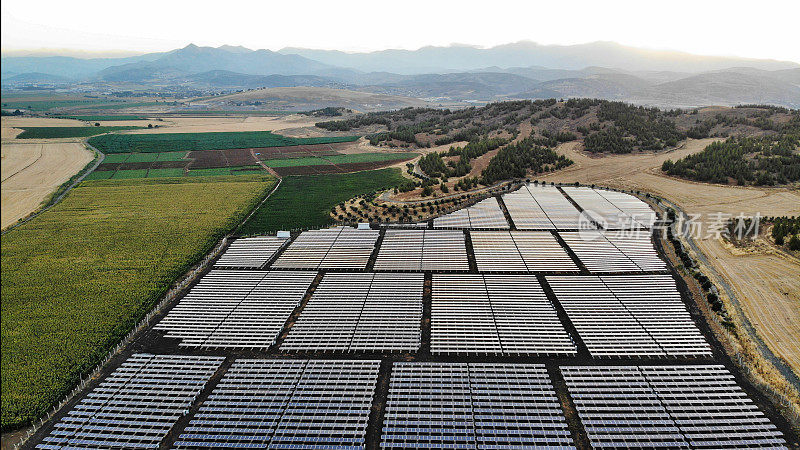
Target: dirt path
[(766, 285), (32, 171)]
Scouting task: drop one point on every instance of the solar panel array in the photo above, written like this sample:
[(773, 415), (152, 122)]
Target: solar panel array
[(619, 251), (629, 316), (494, 314), (250, 253), (332, 248), (135, 406), (443, 250), (351, 312), (540, 207), (667, 406), (519, 251), (484, 214), (236, 308), (613, 210), (472, 405), (286, 404)]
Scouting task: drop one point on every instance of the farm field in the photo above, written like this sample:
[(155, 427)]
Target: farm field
[(124, 143), (241, 122), (32, 172), (78, 277), (305, 201), (767, 284), (66, 132)]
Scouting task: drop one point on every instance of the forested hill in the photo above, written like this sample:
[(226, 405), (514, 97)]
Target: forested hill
[(603, 126)]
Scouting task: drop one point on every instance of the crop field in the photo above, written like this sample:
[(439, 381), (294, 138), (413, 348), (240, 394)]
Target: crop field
[(46, 105), (331, 168), (141, 157), (78, 277), (66, 132), (168, 142), (102, 118), (305, 201)]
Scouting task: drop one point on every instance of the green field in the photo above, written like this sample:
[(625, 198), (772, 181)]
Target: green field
[(66, 132), (78, 277), (143, 157), (305, 201), (168, 142), (338, 159), (134, 173), (100, 175)]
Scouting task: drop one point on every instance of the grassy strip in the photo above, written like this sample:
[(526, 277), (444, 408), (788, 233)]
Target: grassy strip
[(100, 118), (168, 142), (66, 132), (305, 201), (77, 278)]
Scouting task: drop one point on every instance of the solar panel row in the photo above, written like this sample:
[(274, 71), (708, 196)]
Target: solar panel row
[(612, 210), (461, 405), (135, 406), (667, 406), (519, 251), (361, 312), (494, 314), (250, 253), (484, 214), (443, 250), (540, 207), (236, 309), (286, 404), (629, 315), (622, 251), (331, 248)]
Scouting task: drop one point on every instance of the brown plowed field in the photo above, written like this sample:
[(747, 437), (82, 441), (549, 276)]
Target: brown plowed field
[(233, 157)]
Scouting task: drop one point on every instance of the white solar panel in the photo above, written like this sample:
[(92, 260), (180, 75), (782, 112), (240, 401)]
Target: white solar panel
[(520, 251), (332, 248), (484, 214), (613, 210), (629, 316), (541, 207), (667, 406), (250, 253), (475, 405), (286, 404), (352, 312), (620, 251), (136, 406), (236, 308), (494, 314), (423, 250)]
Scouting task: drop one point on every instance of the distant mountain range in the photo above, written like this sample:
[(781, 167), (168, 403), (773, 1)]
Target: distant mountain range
[(450, 74)]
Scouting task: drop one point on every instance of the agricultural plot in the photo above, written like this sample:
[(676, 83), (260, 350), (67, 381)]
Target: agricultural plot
[(137, 405), (357, 312), (306, 201), (88, 268), (236, 309), (484, 214), (540, 207), (332, 248), (519, 251), (423, 250), (630, 316), (473, 405), (286, 404), (66, 132), (494, 314), (667, 406), (167, 142)]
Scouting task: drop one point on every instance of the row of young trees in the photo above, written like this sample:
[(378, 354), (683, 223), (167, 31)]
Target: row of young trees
[(762, 161)]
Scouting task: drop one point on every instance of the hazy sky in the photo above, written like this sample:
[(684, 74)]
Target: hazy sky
[(753, 28)]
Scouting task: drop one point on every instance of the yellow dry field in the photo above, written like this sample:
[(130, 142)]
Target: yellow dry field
[(212, 124), (766, 282), (32, 171), (40, 122)]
